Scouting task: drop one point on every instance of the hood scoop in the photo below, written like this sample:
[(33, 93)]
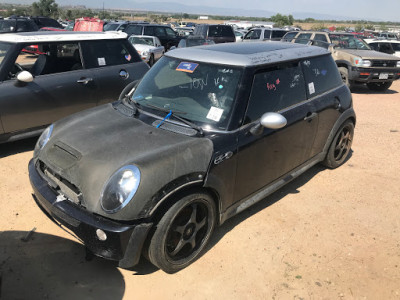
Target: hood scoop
[(63, 156)]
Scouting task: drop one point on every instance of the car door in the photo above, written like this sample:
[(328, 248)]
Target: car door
[(114, 64), (268, 155), (159, 49), (55, 92)]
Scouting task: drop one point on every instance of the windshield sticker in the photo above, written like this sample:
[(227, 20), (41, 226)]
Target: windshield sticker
[(101, 61), (187, 67), (295, 81), (272, 86), (215, 113), (311, 88), (128, 57), (323, 72), (307, 63)]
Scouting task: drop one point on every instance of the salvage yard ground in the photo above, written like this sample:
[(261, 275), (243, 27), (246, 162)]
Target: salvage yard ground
[(330, 234)]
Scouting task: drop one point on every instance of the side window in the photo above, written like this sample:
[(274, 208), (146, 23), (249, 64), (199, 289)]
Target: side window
[(267, 34), (321, 75), (278, 34), (159, 32), (170, 32), (43, 59), (149, 30), (289, 36), (108, 53), (303, 38), (134, 29), (253, 35), (274, 90), (320, 41), (374, 46)]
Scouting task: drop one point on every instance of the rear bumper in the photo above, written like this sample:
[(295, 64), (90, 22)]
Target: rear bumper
[(124, 241), (373, 74)]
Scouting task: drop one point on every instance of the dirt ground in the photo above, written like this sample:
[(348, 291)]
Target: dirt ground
[(329, 234)]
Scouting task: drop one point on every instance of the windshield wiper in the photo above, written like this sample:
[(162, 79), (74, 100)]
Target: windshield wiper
[(172, 113)]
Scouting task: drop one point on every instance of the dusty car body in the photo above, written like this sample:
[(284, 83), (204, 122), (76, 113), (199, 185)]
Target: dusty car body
[(45, 76), (357, 62), (207, 132), (148, 47)]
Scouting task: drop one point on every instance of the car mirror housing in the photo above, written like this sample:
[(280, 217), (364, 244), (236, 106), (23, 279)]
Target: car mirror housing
[(269, 120), (25, 76)]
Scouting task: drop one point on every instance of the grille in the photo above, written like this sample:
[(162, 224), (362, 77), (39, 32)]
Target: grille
[(60, 184), (383, 63)]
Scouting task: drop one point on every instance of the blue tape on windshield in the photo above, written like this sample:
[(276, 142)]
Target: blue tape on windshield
[(187, 67)]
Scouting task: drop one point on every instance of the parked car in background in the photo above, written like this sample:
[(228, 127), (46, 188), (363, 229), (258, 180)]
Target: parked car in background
[(17, 24), (239, 34), (388, 35), (385, 46), (148, 47), (264, 34), (193, 144), (120, 25), (46, 22), (88, 24), (165, 34), (357, 62), (184, 31), (192, 41), (217, 33), (48, 75)]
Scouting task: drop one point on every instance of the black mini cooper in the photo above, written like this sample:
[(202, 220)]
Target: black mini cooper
[(206, 133)]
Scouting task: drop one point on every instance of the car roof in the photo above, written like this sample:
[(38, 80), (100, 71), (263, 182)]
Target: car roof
[(56, 36), (247, 54)]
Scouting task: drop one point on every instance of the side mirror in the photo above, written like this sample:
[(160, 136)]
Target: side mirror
[(269, 120), (25, 76)]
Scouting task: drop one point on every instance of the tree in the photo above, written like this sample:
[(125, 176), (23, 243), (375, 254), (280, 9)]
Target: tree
[(281, 20), (47, 8)]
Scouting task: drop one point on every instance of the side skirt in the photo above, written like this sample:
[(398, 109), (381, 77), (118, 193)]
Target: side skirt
[(269, 189)]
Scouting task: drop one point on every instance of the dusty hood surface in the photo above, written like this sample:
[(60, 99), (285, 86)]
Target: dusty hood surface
[(88, 147), (370, 54)]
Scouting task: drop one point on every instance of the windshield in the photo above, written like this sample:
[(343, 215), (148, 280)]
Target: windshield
[(199, 92), (347, 41), (3, 50), (141, 40)]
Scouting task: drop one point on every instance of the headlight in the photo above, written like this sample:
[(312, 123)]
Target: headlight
[(362, 63), (145, 53), (45, 137), (398, 64), (120, 189)]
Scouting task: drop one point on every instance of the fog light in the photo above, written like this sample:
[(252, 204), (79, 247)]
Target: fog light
[(101, 235)]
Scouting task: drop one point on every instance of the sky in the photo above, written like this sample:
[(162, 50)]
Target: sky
[(384, 10)]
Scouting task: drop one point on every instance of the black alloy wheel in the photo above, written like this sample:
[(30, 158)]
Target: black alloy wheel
[(183, 232), (341, 146)]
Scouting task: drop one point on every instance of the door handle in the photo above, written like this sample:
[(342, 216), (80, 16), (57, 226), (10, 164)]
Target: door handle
[(338, 106), (84, 81), (310, 116)]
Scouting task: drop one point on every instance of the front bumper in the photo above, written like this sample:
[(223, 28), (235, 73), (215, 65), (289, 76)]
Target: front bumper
[(124, 242), (373, 74)]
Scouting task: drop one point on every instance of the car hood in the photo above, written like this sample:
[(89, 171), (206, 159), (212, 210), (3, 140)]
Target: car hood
[(87, 148), (141, 47), (370, 54)]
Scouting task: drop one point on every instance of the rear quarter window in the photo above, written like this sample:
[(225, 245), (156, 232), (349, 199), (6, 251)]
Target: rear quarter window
[(321, 74), (220, 31)]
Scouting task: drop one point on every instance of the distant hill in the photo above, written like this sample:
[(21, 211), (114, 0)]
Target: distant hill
[(173, 7)]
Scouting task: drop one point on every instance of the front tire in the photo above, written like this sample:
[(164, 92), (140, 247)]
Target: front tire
[(344, 74), (340, 147), (183, 232), (379, 86), (151, 60)]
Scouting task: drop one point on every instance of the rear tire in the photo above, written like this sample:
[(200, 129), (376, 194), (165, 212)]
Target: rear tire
[(183, 232), (340, 147), (379, 86)]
